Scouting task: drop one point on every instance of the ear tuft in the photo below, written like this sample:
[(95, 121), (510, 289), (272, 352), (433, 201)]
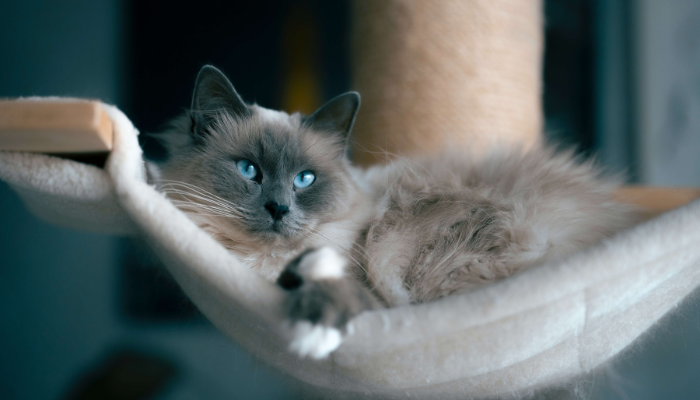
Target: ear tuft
[(213, 93), (337, 116)]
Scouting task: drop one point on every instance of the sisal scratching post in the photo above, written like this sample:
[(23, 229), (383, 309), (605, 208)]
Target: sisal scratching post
[(437, 74)]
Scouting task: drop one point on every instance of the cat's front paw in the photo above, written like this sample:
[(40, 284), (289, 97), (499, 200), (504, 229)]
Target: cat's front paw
[(321, 300), (314, 340)]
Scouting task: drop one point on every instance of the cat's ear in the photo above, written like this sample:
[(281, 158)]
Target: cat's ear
[(337, 116), (213, 93)]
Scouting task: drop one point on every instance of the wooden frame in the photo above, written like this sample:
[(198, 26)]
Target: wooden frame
[(54, 126)]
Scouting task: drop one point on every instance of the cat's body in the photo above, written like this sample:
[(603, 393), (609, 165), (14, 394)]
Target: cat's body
[(446, 224), (406, 232)]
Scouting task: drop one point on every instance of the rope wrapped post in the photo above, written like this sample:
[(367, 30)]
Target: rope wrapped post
[(435, 74)]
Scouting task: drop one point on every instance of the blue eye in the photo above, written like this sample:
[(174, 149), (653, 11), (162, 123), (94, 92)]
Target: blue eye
[(304, 179), (247, 169)]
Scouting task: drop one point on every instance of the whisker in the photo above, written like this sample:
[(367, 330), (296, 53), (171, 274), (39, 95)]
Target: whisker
[(197, 200), (212, 204), (189, 196), (210, 196), (199, 210), (198, 196), (190, 204)]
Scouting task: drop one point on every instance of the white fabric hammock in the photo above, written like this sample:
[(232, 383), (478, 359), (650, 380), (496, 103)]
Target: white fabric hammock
[(535, 329)]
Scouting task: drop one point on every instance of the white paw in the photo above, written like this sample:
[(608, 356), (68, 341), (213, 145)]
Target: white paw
[(315, 341), (324, 263)]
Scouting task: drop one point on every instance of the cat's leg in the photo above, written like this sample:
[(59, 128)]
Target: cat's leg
[(321, 298)]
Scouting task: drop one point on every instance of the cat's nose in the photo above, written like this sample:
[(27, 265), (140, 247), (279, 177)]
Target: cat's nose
[(276, 210)]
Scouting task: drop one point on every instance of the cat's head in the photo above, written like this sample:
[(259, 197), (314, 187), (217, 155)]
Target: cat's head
[(265, 173)]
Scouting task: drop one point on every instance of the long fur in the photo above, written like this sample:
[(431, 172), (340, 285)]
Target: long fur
[(448, 224), (410, 231), (415, 229)]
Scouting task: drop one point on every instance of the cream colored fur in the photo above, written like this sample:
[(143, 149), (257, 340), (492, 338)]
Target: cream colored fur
[(527, 207)]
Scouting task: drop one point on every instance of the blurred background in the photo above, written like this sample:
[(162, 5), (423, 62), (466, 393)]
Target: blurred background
[(89, 316)]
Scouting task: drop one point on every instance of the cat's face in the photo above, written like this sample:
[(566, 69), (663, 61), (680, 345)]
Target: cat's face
[(268, 174)]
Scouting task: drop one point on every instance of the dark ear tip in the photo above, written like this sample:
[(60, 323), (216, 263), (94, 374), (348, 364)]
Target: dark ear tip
[(208, 70), (355, 97), (209, 67), (347, 99)]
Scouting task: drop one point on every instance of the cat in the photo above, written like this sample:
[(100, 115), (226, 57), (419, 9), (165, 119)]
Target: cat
[(280, 193)]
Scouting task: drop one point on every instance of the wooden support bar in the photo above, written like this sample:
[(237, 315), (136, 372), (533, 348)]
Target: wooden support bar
[(656, 200), (54, 126)]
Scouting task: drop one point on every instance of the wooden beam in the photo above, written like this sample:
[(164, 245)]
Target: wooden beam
[(54, 126), (656, 200)]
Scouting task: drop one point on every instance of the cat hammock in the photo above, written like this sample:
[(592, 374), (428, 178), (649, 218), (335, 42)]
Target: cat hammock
[(536, 329)]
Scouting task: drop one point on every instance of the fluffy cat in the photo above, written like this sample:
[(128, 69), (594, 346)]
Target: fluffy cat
[(280, 193)]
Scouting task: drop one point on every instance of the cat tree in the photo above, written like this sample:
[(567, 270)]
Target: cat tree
[(433, 74)]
